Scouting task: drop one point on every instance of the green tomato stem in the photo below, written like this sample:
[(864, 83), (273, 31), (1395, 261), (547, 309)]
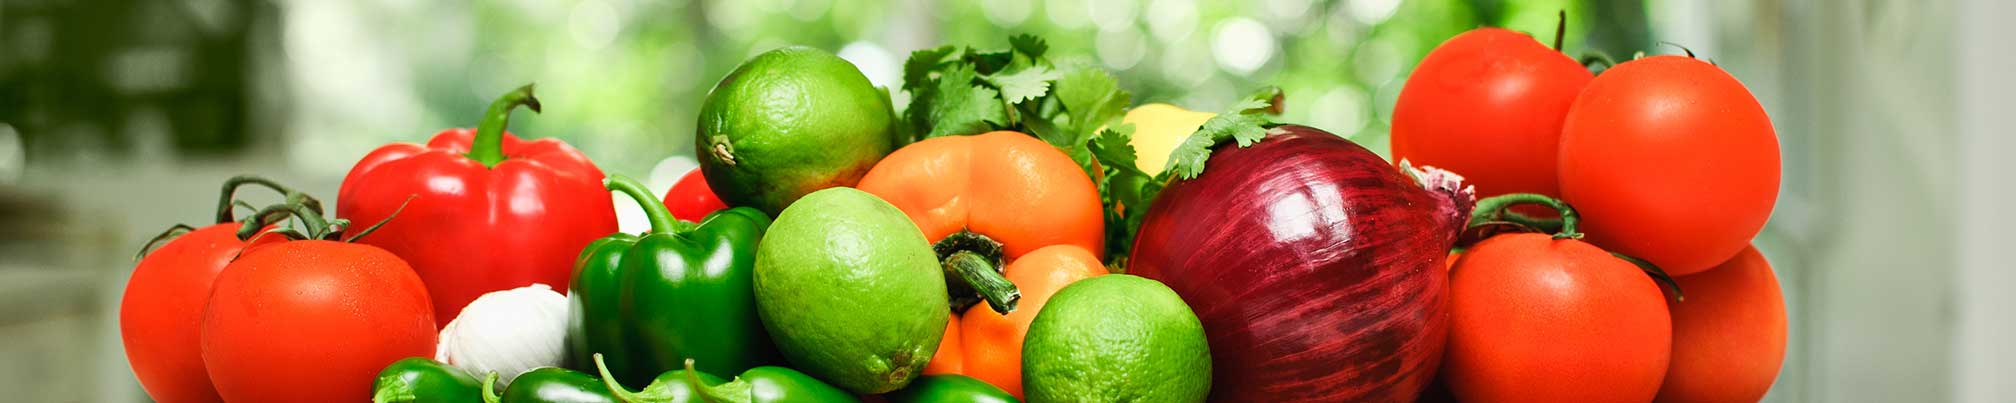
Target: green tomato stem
[(228, 199), (1497, 208), (488, 146)]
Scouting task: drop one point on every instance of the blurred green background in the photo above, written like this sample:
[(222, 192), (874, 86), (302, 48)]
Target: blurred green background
[(118, 118)]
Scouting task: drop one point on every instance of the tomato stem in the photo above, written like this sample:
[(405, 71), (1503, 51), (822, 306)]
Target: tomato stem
[(227, 201), (972, 264), (1658, 275), (488, 146), (1560, 28), (171, 233), (380, 223), (1690, 52), (1496, 209)]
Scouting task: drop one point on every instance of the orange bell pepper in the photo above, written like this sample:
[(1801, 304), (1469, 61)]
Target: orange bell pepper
[(984, 200), (1012, 188), (992, 342)]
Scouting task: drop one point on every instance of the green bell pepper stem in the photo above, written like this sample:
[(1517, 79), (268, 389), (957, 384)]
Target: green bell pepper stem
[(488, 146), (421, 380), (950, 388), (661, 219)]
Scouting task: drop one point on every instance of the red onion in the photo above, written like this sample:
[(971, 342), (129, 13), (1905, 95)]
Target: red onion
[(1315, 266)]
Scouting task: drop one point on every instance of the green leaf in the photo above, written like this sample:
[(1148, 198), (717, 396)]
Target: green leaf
[(917, 70), (960, 107), (1244, 123), (1025, 84), (1030, 46), (989, 61), (1114, 147), (1092, 97)]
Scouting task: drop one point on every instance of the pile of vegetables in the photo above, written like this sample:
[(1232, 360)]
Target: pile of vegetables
[(1017, 231)]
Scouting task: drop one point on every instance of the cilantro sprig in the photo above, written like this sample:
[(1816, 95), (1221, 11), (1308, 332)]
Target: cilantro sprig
[(1074, 106), (1246, 123)]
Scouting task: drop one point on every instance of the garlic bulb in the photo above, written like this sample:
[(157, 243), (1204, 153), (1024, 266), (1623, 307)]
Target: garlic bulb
[(507, 332)]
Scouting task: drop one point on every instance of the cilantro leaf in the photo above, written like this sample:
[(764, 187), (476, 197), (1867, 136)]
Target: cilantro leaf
[(1245, 123), (917, 70), (1030, 46), (960, 107), (1092, 98), (1023, 85), (1114, 147)]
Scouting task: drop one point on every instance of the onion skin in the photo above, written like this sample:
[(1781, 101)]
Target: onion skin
[(1315, 266)]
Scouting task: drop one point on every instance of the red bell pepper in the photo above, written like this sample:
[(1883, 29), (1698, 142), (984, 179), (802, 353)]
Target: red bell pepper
[(487, 210), (691, 199)]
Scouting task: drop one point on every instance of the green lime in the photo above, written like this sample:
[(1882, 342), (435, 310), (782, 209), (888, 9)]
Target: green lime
[(1116, 338), (851, 291), (788, 122)]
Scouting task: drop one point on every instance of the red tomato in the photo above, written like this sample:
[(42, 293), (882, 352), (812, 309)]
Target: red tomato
[(691, 199), (1729, 335), (1534, 319), (1671, 160), (313, 321), (163, 304), (1488, 105)]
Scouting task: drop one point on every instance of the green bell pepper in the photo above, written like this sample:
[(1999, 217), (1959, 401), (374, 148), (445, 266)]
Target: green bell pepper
[(682, 291), (950, 389), (421, 380), (553, 385), (764, 384)]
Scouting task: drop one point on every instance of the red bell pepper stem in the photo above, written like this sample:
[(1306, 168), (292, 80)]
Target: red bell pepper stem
[(488, 146), (662, 221)]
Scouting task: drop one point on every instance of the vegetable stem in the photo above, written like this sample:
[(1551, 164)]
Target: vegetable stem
[(980, 275), (227, 201), (972, 266), (1497, 209), (661, 219), (488, 146)]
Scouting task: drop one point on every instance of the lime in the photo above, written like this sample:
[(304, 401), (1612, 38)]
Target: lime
[(788, 122), (1116, 338), (850, 291)]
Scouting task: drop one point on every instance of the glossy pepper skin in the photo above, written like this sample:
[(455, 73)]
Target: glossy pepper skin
[(681, 291), (950, 389), (487, 211), (421, 380), (554, 385), (691, 199), (990, 343), (985, 200), (764, 384)]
